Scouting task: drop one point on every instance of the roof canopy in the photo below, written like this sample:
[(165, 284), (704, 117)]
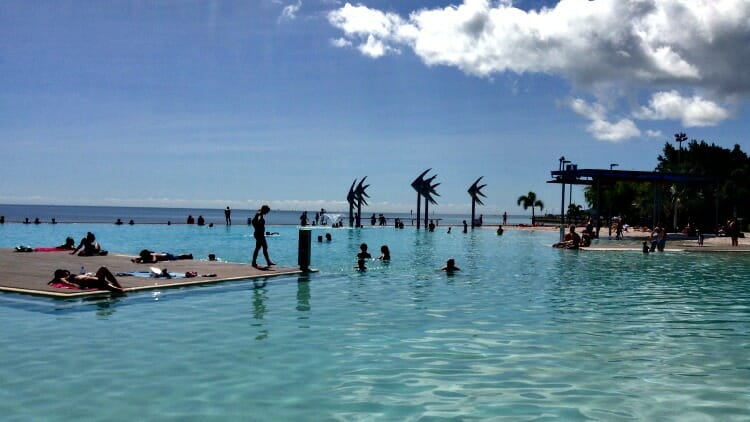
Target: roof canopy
[(572, 175)]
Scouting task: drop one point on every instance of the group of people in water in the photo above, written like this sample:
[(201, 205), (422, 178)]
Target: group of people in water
[(364, 255), (385, 256), (104, 279)]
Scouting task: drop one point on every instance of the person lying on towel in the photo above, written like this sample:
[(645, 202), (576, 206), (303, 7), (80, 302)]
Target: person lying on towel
[(146, 256), (102, 280)]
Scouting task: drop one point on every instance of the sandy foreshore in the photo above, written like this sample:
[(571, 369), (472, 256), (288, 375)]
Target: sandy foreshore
[(633, 240)]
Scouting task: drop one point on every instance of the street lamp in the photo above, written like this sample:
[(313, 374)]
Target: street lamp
[(680, 138), (563, 161)]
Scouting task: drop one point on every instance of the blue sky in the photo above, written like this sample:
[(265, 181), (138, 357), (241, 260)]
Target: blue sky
[(209, 104)]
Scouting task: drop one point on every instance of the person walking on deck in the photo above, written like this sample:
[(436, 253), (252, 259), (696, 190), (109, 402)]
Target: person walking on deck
[(259, 233)]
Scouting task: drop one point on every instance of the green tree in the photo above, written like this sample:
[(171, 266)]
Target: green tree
[(529, 200), (575, 211), (683, 203)]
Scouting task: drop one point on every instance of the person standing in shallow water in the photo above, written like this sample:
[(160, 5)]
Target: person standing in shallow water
[(228, 216), (259, 233)]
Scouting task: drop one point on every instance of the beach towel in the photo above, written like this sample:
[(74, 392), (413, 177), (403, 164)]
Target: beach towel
[(152, 274), (66, 286), (50, 249)]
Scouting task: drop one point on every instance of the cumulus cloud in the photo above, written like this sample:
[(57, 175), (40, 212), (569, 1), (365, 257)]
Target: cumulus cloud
[(341, 42), (600, 127), (605, 45), (691, 111)]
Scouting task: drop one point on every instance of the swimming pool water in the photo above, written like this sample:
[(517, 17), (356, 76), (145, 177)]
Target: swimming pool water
[(522, 332)]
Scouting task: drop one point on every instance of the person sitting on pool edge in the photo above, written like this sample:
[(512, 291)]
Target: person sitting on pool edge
[(69, 244), (450, 266), (103, 280), (90, 246), (571, 240), (146, 257)]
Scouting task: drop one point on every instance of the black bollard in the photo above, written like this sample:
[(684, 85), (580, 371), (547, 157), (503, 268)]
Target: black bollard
[(305, 246)]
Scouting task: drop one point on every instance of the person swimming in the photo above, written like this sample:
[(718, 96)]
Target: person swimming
[(450, 266)]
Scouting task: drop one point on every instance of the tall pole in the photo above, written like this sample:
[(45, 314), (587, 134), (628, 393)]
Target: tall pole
[(598, 206), (562, 214), (359, 213), (570, 197), (350, 197), (419, 208), (473, 207), (426, 211), (680, 138)]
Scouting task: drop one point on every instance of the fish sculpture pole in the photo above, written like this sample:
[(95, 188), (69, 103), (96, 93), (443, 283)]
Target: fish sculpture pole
[(360, 195), (424, 187), (429, 191), (418, 184), (475, 192), (351, 199)]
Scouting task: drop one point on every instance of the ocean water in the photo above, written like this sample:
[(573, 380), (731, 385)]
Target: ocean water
[(522, 332), (152, 215)]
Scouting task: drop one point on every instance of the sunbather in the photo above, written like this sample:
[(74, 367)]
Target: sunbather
[(89, 246), (146, 257), (103, 280), (69, 244)]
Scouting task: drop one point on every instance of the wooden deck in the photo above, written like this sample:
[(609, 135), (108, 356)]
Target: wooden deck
[(29, 272)]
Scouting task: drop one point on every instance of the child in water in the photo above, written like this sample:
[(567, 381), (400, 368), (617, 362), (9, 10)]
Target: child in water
[(385, 253), (362, 256)]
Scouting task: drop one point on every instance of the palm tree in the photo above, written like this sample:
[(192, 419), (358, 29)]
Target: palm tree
[(574, 211), (529, 200)]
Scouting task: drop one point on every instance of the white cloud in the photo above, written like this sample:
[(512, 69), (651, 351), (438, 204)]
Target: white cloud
[(289, 12), (621, 46), (691, 111), (600, 127), (341, 42), (362, 22), (615, 132), (654, 133)]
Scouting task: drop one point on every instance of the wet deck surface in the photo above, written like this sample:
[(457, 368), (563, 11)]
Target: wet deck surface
[(29, 272)]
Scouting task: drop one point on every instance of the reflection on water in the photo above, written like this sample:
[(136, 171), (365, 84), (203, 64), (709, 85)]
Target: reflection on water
[(303, 296)]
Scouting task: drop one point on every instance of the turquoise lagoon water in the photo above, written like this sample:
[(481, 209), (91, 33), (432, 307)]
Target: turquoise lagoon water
[(523, 332)]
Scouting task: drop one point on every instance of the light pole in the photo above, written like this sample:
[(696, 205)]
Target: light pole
[(680, 138), (563, 161), (609, 204)]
